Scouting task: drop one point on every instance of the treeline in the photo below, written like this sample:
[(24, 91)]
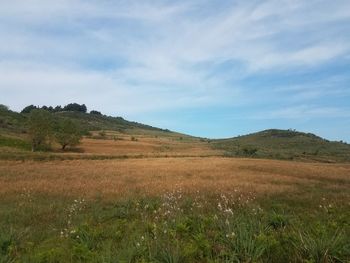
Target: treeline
[(69, 107)]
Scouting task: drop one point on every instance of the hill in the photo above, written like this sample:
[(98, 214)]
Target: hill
[(11, 121), (105, 137), (120, 137), (284, 144)]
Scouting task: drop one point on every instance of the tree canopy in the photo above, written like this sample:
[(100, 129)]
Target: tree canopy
[(40, 128), (68, 133), (69, 107), (75, 107)]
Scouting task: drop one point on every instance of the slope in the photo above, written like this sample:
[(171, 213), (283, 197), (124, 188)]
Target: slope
[(284, 144)]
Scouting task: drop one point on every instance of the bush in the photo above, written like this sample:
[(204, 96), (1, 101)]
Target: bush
[(95, 112), (249, 151), (102, 134)]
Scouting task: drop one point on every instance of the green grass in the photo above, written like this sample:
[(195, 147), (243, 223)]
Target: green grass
[(16, 123), (14, 143), (273, 144), (175, 227)]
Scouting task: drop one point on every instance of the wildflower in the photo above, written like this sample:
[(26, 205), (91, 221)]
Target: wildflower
[(219, 206), (229, 211)]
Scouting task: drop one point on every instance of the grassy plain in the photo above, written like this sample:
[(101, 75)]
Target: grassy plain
[(188, 209), (134, 193)]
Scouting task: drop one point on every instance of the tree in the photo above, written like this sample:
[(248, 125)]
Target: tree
[(57, 108), (95, 112), (75, 107), (4, 107), (29, 108), (68, 134), (39, 128)]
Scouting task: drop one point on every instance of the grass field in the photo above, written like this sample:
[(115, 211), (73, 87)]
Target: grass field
[(187, 209), (134, 193)]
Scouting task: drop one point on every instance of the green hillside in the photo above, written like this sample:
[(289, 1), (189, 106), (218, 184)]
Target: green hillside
[(284, 144), (14, 122), (14, 137), (274, 144)]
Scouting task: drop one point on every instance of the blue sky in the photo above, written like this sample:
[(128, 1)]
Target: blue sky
[(206, 68)]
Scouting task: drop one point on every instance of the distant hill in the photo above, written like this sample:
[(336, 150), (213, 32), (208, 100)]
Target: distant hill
[(274, 143), (284, 144)]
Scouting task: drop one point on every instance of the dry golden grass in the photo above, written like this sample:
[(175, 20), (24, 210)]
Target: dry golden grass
[(152, 176), (147, 145)]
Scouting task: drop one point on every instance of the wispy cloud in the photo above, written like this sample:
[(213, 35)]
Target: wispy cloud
[(137, 57), (301, 112)]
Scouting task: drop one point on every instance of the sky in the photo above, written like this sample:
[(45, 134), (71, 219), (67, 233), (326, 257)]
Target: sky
[(203, 67)]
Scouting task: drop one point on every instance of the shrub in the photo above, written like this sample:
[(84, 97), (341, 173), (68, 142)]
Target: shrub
[(95, 112), (102, 134), (249, 151)]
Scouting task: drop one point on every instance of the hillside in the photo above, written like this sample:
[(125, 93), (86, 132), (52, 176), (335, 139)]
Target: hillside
[(284, 144), (16, 122), (105, 137), (122, 137)]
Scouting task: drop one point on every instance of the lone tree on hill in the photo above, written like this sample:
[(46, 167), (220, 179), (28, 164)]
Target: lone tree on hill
[(39, 128), (68, 134)]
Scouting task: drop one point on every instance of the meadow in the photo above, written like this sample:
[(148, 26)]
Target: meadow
[(134, 193), (174, 209)]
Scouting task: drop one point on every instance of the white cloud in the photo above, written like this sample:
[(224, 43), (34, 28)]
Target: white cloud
[(302, 112), (156, 49)]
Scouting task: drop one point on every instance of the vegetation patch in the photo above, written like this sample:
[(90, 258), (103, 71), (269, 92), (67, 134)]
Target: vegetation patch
[(14, 142), (174, 227)]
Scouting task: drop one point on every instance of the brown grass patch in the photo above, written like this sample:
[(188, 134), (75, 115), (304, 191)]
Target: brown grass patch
[(147, 146), (153, 176)]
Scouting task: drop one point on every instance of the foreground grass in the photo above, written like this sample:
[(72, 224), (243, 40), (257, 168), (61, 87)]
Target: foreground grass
[(174, 210), (176, 227)]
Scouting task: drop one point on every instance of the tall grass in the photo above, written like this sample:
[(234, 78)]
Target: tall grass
[(174, 227)]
